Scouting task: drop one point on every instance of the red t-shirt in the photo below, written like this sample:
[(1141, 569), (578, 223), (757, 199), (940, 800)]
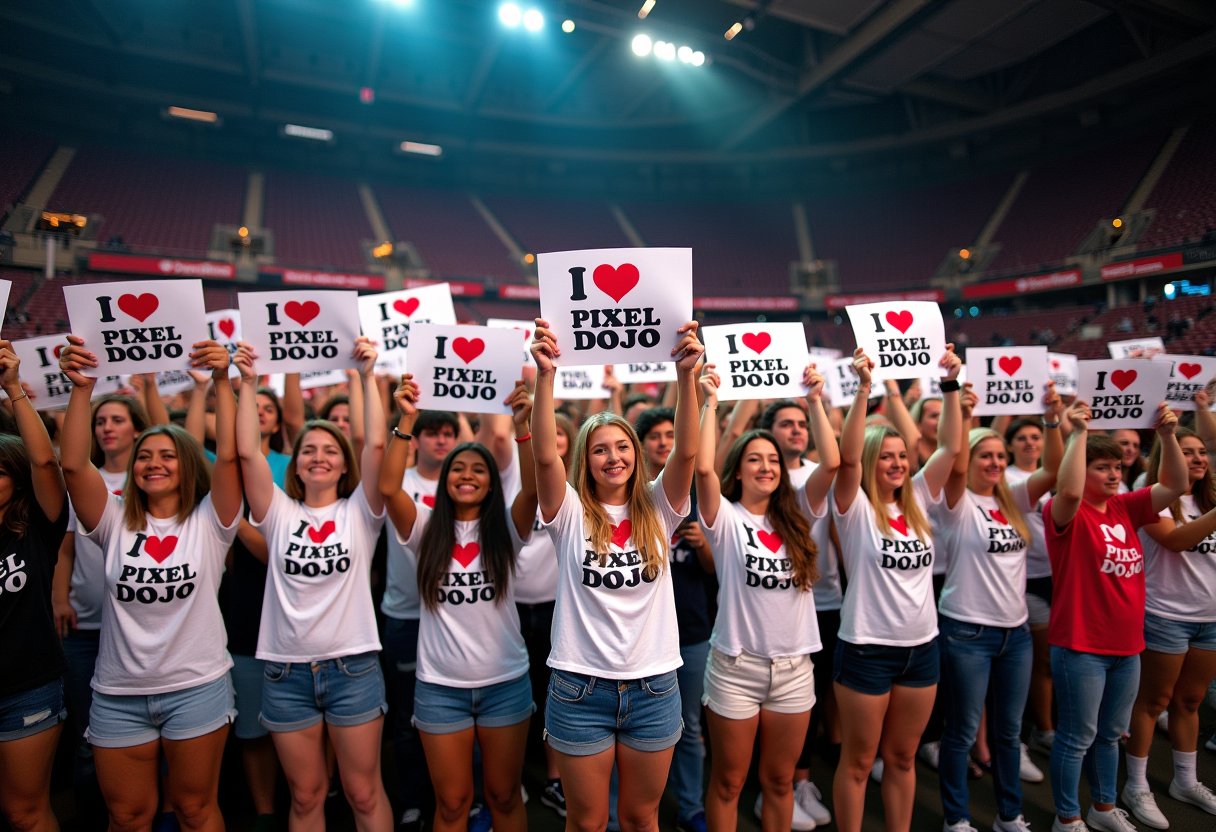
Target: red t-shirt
[(1097, 573)]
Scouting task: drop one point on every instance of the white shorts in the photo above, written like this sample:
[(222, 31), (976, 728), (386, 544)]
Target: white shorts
[(737, 687)]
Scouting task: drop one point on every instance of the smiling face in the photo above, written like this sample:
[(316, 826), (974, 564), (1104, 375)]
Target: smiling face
[(789, 426), (891, 469), (988, 463), (155, 467), (113, 428), (611, 457), (1196, 455), (759, 471), (319, 462), (1027, 445), (930, 415), (657, 445), (468, 481)]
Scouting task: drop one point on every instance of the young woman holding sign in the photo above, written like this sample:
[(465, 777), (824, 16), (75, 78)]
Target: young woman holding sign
[(318, 634), (1097, 610), (613, 694), (33, 515), (161, 683), (887, 662), (759, 677), (473, 681)]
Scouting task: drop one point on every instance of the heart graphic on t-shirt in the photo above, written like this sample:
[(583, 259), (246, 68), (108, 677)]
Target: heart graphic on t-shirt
[(1117, 532), (139, 307), (117, 492), (1189, 370), (407, 306), (1009, 364), (757, 342), (998, 517), (674, 537), (227, 326), (621, 533), (317, 535), (900, 524), (1123, 378), (901, 320), (465, 554), (159, 548), (771, 540), (616, 282), (468, 348), (428, 500), (302, 313)]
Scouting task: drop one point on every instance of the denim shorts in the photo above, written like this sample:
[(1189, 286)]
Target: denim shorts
[(32, 711), (247, 676), (1038, 602), (737, 687), (874, 668), (586, 715), (135, 719), (1165, 635), (440, 709), (344, 692)]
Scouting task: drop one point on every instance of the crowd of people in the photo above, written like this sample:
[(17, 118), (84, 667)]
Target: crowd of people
[(881, 579)]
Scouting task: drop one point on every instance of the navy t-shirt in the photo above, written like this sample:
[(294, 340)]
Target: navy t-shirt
[(694, 588)]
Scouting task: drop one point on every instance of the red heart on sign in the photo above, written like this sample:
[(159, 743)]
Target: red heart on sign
[(301, 313), (465, 554), (59, 349), (406, 307), (1055, 363), (227, 326), (429, 500), (998, 517), (468, 348), (1187, 370), (900, 320), (616, 282), (771, 540), (139, 307), (621, 533), (1123, 378), (159, 548), (900, 524), (757, 342), (317, 535), (1009, 364)]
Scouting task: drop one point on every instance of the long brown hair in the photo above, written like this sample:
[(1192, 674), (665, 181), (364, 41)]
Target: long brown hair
[(346, 483), (15, 463), (1004, 497), (782, 511), (1204, 489), (904, 497), (193, 477)]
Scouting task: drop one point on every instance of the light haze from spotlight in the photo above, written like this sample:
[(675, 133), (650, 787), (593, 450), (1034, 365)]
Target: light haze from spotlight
[(534, 21), (567, 26), (510, 15), (642, 45)]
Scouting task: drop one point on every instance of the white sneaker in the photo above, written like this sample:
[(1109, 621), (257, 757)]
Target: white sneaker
[(1144, 806), (962, 826), (809, 799), (1018, 824), (1198, 795), (1042, 740), (1075, 826), (930, 754), (1116, 820), (1163, 722), (801, 822), (1027, 770), (876, 770)]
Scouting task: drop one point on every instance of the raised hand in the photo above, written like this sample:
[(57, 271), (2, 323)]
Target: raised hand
[(406, 395), (951, 363), (520, 402), (544, 347), (689, 350), (813, 381), (863, 364), (710, 382), (1167, 420), (74, 359), (210, 355), (365, 354), (1079, 414)]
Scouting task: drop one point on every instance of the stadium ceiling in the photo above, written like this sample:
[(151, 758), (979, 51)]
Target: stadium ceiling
[(807, 82)]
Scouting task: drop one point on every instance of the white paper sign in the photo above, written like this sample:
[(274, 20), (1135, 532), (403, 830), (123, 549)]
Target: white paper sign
[(1062, 369), (823, 355), (757, 361), (905, 339), (308, 380), (470, 369), (616, 305), (1123, 393), (6, 286), (525, 327), (169, 382), (931, 386), (580, 383), (1191, 373), (300, 330), (1136, 348), (646, 372), (40, 370), (224, 327), (841, 383), (1009, 381), (138, 326), (387, 319)]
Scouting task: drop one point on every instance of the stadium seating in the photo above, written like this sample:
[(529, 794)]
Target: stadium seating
[(318, 221), (24, 156), (1185, 197), (448, 233), (557, 224)]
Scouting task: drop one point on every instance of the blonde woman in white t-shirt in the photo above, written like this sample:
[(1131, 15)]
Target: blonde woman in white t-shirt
[(887, 663), (613, 694), (759, 681)]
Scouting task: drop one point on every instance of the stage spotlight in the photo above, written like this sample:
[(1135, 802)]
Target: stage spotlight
[(642, 45), (567, 26), (534, 21), (242, 232), (1116, 223), (735, 29), (664, 51), (964, 253), (645, 10), (684, 53), (698, 58), (529, 258), (510, 15)]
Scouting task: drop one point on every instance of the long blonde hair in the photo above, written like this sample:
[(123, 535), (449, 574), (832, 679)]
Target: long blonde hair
[(918, 524), (1004, 497), (647, 530)]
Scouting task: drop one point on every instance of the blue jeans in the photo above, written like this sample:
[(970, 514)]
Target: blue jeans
[(975, 659), (400, 657), (1094, 695), (688, 765)]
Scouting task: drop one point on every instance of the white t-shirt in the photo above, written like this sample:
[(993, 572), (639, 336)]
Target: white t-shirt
[(88, 586), (1181, 585), (828, 592), (799, 476), (889, 599), (986, 583), (536, 567), (1038, 565), (760, 611), (400, 599), (610, 621), (161, 627), (472, 638), (318, 602)]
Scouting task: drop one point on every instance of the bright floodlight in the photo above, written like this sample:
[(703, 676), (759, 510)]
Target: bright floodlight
[(567, 26), (665, 51), (534, 21), (510, 15), (698, 58), (642, 45), (684, 53)]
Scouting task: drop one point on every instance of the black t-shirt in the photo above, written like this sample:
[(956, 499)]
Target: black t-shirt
[(694, 590), (30, 653), (241, 597)]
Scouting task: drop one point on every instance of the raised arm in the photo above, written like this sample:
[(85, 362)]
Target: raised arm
[(1205, 419), (709, 487), (677, 473), (1070, 484), (196, 410), (255, 470), (375, 432), (497, 432), (226, 494), (1172, 480), (550, 472), (355, 404), (523, 509), (1044, 479), (956, 485), (292, 404), (84, 483), (158, 414), (853, 436), (61, 587), (402, 511), (44, 467), (741, 416), (897, 412), (949, 438), (820, 481)]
